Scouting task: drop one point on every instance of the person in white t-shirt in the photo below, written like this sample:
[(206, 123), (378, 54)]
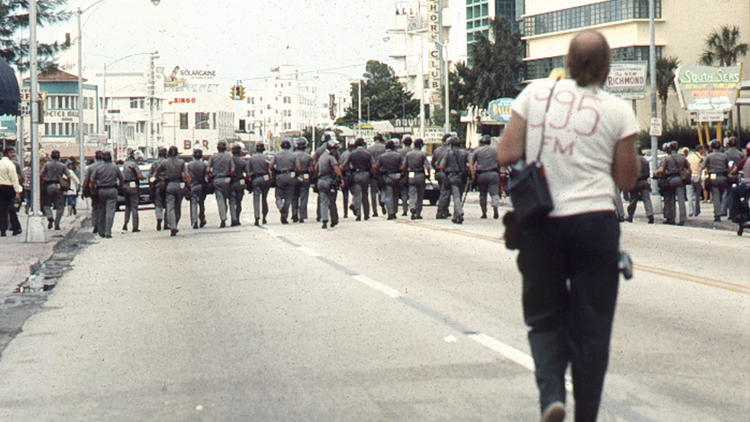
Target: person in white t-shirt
[(569, 259)]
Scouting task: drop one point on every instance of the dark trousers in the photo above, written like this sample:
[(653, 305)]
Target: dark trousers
[(301, 194), (131, 204), (174, 204), (375, 197), (108, 204), (360, 199), (197, 204), (6, 199), (327, 194), (236, 193), (570, 281), (416, 192), (740, 192)]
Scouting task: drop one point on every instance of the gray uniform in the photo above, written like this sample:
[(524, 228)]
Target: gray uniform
[(404, 186), (158, 189), (130, 173), (360, 163), (487, 176), (303, 162), (283, 166), (454, 161), (197, 171), (445, 189), (389, 163), (52, 172), (327, 187), (734, 156), (260, 182), (171, 171), (675, 189), (221, 167), (416, 164), (641, 191), (106, 178), (237, 189), (717, 164), (96, 208), (375, 198)]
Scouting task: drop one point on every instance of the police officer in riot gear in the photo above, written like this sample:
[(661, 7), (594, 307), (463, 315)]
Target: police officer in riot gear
[(673, 188), (641, 191), (87, 190), (418, 171), (404, 185), (174, 172), (328, 175), (106, 179), (158, 188), (220, 172), (444, 198), (375, 196), (132, 176), (238, 185), (734, 156), (282, 166), (390, 167), (485, 173), (453, 163), (303, 165), (259, 169), (51, 174), (360, 164), (717, 164), (197, 170)]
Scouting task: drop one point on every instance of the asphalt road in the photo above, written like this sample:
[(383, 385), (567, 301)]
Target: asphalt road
[(376, 320)]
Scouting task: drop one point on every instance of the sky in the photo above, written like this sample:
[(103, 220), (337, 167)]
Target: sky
[(239, 39)]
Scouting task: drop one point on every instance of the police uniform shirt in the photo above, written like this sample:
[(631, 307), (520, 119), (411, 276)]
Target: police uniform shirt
[(154, 166), (734, 155), (344, 157), (360, 160), (53, 171), (376, 150), (221, 164), (130, 171), (326, 163), (303, 160), (437, 155), (283, 161), (645, 171), (91, 168), (240, 167), (404, 151), (485, 158), (390, 162), (319, 152), (717, 162), (415, 160), (258, 164), (107, 175), (676, 163), (172, 169), (197, 171), (451, 160)]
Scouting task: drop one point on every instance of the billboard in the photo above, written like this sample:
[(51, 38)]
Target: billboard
[(702, 88), (499, 110), (627, 80)]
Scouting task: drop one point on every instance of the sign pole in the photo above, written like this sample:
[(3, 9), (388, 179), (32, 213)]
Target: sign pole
[(656, 200)]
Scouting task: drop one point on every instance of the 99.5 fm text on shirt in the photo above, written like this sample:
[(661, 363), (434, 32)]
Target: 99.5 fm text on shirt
[(585, 124)]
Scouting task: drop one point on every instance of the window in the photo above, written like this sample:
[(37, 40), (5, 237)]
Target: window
[(183, 120), (46, 128), (587, 15), (213, 118), (133, 102), (141, 128), (202, 120)]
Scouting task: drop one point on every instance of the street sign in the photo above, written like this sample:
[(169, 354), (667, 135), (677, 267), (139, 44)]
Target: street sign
[(655, 129), (709, 116), (26, 95)]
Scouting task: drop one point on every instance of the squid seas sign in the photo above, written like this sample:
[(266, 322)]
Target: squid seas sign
[(704, 88)]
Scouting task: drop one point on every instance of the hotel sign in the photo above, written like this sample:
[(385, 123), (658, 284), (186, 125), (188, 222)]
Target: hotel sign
[(702, 88)]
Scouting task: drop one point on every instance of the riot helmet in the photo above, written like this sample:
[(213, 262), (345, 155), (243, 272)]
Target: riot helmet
[(485, 139)]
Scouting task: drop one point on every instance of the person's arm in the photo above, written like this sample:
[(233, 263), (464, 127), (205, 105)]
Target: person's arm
[(73, 177), (185, 174), (512, 145), (625, 166), (337, 170)]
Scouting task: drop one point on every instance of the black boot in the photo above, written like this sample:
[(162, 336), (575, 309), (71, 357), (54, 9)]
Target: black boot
[(257, 221), (125, 227), (325, 225), (158, 225), (484, 215), (283, 220), (223, 224), (49, 223), (295, 218), (495, 214)]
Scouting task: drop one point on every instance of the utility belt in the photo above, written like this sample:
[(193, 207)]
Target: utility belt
[(106, 187), (357, 171), (279, 172), (487, 171), (174, 181), (51, 182)]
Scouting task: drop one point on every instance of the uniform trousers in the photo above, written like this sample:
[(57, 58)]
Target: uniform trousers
[(672, 194), (390, 198), (444, 199), (55, 200), (718, 187), (327, 194), (416, 193), (301, 194), (346, 190), (642, 194), (97, 211), (455, 185), (160, 198), (236, 193), (107, 204), (131, 204), (570, 282), (488, 182), (197, 204), (221, 191), (260, 196), (403, 188), (174, 204), (284, 193), (360, 199), (375, 196)]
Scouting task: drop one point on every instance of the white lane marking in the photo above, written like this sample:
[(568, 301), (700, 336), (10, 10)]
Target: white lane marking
[(450, 339), (308, 251), (388, 291), (509, 352)]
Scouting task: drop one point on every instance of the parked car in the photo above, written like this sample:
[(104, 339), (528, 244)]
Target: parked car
[(144, 191)]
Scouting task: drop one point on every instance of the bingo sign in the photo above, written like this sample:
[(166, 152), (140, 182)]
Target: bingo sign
[(499, 110), (704, 88), (627, 80)]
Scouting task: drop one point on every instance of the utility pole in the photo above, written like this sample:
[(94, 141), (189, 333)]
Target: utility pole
[(652, 70), (151, 91), (359, 107), (35, 230)]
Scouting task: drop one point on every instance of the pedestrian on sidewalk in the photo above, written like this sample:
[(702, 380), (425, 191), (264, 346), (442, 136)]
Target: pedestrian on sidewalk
[(695, 159), (26, 184), (10, 189), (568, 259), (71, 194)]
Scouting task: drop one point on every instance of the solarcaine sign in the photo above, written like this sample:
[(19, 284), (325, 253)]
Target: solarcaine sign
[(707, 87)]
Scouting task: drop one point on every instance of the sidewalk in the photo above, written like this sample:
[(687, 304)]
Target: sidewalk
[(19, 259)]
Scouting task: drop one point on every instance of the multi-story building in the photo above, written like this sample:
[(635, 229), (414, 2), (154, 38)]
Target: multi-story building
[(332, 108), (282, 104), (479, 13), (549, 25)]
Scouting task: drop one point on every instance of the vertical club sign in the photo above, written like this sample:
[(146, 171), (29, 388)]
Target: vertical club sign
[(433, 32)]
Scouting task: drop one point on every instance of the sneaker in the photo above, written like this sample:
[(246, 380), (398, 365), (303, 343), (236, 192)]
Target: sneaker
[(555, 412)]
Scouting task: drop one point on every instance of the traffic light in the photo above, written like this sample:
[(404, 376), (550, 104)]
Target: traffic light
[(237, 92), (233, 92)]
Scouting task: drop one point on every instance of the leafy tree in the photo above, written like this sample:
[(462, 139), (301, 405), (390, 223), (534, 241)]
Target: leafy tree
[(385, 94), (723, 46), (665, 68), (14, 17)]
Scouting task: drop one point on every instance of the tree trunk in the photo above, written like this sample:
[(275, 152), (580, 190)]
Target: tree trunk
[(664, 115)]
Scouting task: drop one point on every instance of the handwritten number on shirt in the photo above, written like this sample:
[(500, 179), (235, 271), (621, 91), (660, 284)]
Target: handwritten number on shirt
[(587, 119)]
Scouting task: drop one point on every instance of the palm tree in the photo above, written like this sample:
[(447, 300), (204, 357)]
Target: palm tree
[(665, 68), (724, 46)]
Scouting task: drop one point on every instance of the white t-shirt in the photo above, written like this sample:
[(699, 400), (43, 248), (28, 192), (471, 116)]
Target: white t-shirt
[(582, 127)]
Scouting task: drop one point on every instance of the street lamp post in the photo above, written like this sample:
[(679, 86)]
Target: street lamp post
[(446, 71)]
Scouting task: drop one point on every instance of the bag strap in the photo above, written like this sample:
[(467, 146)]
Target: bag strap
[(544, 124)]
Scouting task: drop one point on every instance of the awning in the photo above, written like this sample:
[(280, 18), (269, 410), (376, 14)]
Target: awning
[(9, 93), (382, 126)]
